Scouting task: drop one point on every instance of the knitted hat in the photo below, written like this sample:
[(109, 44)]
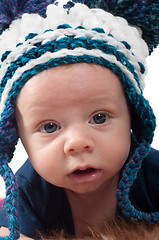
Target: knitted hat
[(116, 34)]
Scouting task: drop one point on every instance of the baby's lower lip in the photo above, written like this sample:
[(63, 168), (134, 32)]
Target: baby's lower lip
[(88, 175)]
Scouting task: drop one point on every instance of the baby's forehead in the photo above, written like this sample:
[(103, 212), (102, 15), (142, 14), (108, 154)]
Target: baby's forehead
[(74, 73), (74, 82)]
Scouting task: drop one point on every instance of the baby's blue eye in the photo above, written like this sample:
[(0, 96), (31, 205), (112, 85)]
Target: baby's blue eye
[(49, 127), (99, 118)]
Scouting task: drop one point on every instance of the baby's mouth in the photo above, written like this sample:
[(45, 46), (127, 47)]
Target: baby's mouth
[(86, 171), (87, 175)]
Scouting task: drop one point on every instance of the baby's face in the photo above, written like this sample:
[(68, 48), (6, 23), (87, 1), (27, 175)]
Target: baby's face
[(75, 125)]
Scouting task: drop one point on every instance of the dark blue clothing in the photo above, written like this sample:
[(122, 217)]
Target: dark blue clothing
[(144, 194), (42, 206)]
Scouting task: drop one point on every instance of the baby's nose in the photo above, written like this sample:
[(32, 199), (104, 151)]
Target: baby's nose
[(78, 143)]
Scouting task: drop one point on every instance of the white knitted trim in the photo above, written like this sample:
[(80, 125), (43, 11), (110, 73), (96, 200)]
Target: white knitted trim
[(60, 54), (61, 33), (79, 15)]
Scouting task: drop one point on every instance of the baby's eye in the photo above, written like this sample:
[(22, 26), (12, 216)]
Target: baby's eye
[(99, 118), (49, 128)]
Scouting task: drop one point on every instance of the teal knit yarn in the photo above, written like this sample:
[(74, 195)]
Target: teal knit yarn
[(11, 197), (129, 174), (7, 146)]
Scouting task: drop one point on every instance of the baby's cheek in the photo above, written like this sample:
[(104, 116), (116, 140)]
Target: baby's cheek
[(115, 152), (46, 165)]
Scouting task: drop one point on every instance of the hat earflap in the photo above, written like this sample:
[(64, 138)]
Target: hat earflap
[(8, 140), (129, 174), (11, 197)]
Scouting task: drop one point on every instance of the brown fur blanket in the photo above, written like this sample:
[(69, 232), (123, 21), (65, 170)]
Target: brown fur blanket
[(116, 230)]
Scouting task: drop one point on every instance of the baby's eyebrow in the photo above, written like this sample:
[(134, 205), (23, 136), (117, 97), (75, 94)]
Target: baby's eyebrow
[(109, 98), (37, 109)]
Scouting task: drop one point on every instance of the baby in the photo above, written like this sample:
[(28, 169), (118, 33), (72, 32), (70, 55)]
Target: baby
[(72, 80)]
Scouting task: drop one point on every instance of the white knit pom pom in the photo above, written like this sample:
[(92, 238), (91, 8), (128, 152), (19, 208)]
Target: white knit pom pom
[(55, 16), (30, 23), (79, 15)]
